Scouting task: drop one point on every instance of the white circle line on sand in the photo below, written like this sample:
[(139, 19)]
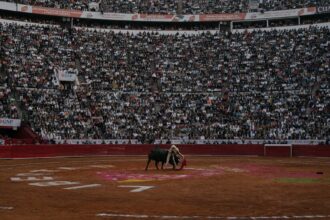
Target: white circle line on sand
[(137, 216)]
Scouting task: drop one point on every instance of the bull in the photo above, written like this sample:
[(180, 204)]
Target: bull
[(159, 155)]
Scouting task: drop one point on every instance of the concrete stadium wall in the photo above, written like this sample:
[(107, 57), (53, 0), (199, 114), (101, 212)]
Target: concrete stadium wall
[(40, 151)]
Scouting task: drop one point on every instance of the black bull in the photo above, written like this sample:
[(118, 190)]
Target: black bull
[(160, 155)]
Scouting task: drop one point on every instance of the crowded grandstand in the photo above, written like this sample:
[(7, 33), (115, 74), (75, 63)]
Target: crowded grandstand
[(242, 79)]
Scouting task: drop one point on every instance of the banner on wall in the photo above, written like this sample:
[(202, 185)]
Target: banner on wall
[(280, 14), (323, 9), (164, 18), (64, 75), (56, 12), (107, 16), (9, 123), (25, 8), (222, 17)]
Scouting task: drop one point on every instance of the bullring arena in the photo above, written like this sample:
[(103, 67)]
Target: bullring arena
[(90, 90), (218, 186)]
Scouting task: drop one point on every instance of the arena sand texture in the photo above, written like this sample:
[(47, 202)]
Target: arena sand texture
[(208, 188)]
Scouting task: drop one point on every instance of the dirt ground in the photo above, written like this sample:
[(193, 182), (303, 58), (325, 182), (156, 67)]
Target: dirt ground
[(208, 188)]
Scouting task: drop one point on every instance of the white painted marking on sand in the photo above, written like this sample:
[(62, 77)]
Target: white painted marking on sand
[(54, 183), (102, 166), (31, 178), (43, 171), (6, 208), (68, 168), (83, 186), (122, 215), (138, 188), (210, 217), (30, 174)]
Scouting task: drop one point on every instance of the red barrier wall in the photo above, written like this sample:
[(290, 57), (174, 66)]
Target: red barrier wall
[(30, 151), (228, 149), (277, 151), (311, 151), (5, 151)]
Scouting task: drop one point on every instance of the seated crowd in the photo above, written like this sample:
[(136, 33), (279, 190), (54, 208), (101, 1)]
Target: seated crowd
[(171, 6), (259, 85), (7, 108)]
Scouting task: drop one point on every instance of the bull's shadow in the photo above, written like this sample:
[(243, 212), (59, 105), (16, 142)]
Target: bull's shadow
[(159, 155)]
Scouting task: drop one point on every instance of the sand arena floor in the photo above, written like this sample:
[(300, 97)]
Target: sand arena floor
[(208, 188)]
